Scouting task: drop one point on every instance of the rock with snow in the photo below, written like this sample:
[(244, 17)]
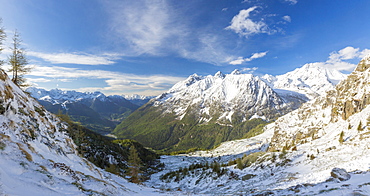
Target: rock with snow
[(340, 174)]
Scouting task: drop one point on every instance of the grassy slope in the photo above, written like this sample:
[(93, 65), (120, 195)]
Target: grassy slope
[(152, 128)]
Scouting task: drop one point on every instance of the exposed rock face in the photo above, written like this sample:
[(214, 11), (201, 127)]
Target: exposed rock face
[(352, 94)]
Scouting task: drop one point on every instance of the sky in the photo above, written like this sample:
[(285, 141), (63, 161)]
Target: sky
[(146, 46)]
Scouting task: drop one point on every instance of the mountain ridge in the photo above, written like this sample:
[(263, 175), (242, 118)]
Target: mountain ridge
[(311, 79)]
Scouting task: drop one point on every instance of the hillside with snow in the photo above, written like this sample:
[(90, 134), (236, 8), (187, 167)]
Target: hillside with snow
[(320, 148), (38, 157)]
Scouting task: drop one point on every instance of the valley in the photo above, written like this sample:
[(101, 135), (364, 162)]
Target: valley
[(295, 153)]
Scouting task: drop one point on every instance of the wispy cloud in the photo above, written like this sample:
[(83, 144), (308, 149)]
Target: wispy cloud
[(241, 60), (155, 27), (76, 58), (115, 81)]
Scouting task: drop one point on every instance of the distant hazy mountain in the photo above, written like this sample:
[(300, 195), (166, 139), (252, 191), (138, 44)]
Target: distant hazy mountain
[(94, 110), (138, 99)]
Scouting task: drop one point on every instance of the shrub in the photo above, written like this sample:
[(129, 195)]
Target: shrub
[(359, 127), (252, 158), (341, 140), (2, 145)]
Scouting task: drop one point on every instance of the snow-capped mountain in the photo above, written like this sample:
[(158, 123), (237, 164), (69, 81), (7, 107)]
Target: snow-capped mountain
[(136, 96), (322, 148), (223, 97), (138, 99), (203, 111), (311, 80), (38, 157), (94, 110), (57, 96)]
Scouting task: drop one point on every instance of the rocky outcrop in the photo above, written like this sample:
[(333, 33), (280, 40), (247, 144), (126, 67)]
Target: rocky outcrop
[(348, 98), (351, 94)]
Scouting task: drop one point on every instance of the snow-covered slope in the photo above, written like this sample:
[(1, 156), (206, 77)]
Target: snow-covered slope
[(223, 97), (37, 157), (311, 80), (298, 154)]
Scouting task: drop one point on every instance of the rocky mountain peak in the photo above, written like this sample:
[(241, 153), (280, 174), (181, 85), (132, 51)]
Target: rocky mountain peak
[(219, 74), (235, 72)]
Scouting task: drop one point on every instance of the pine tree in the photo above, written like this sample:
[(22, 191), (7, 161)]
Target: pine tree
[(2, 38), (135, 163), (18, 61)]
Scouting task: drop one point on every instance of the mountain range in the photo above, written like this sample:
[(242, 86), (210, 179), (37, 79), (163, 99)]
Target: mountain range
[(94, 110), (203, 111)]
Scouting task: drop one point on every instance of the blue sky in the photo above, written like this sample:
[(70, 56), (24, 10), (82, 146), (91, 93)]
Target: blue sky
[(146, 46)]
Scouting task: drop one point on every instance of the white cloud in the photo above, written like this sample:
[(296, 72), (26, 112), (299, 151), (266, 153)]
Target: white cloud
[(33, 80), (76, 58), (287, 18), (338, 59), (249, 69), (241, 60), (293, 2), (243, 25), (116, 82), (238, 61), (364, 53)]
